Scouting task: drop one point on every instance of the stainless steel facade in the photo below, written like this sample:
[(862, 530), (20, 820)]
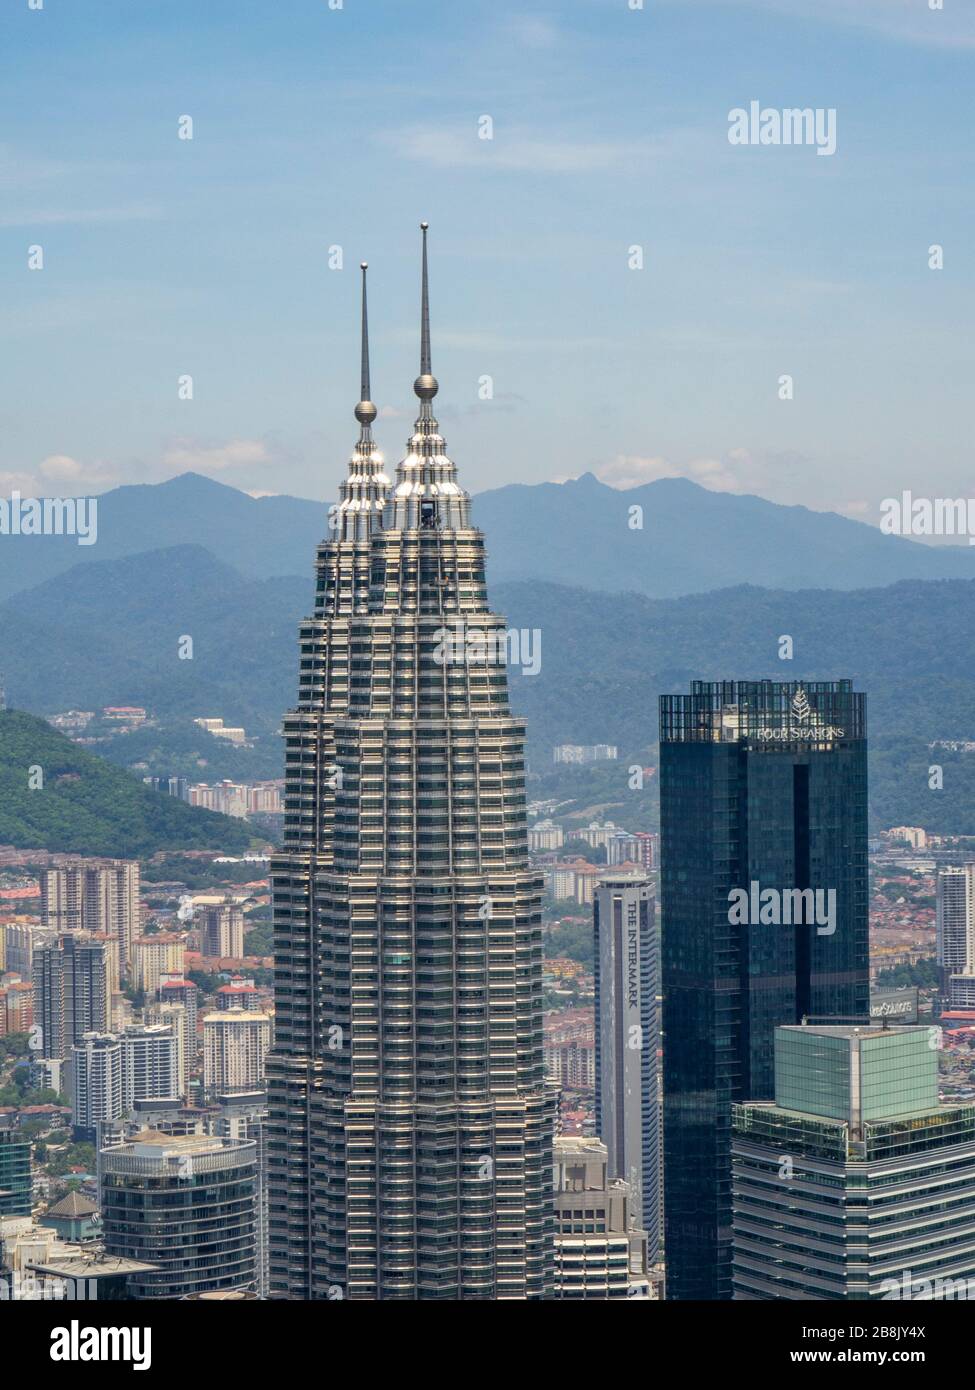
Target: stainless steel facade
[(410, 1129)]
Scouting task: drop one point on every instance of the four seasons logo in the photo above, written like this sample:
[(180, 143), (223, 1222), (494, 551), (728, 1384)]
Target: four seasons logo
[(806, 724)]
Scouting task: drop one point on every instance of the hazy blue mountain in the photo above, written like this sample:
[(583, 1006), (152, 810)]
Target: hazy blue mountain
[(605, 658), (260, 537), (692, 540), (107, 634), (577, 533), (110, 633)]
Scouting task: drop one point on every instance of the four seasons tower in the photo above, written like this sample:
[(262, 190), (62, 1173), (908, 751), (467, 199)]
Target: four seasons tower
[(411, 1126)]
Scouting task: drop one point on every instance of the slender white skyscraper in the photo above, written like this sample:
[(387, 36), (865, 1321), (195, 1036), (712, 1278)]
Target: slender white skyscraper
[(96, 1082), (956, 934), (627, 1110)]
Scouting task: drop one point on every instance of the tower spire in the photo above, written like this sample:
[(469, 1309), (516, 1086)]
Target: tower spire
[(365, 411), (426, 385)]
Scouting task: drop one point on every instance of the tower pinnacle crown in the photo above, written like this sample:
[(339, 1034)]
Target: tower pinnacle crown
[(365, 411), (363, 492), (426, 385)]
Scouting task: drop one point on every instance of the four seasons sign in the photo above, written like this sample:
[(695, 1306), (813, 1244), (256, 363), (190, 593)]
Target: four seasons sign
[(806, 725)]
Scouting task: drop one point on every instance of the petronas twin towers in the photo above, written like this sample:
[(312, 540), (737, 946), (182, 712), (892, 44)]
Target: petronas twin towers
[(411, 1125)]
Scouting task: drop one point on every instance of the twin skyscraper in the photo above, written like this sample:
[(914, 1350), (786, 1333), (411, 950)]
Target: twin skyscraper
[(411, 1124)]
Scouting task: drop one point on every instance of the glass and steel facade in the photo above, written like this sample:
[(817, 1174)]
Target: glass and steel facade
[(763, 786), (15, 1174), (187, 1206), (856, 1183), (410, 1127)]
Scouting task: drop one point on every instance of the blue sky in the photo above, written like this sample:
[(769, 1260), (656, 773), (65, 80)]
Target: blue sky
[(316, 127)]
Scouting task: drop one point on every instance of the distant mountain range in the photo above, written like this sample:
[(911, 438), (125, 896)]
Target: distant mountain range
[(692, 541), (261, 537), (111, 632), (577, 533), (107, 633)]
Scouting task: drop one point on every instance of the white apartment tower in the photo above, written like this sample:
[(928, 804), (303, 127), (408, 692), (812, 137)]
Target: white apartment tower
[(151, 1063), (235, 1046), (96, 1081), (956, 935), (95, 896)]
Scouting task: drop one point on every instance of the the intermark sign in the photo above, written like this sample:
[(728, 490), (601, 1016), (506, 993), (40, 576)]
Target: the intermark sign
[(632, 957)]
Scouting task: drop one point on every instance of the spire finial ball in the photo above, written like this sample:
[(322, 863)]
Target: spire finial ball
[(426, 386)]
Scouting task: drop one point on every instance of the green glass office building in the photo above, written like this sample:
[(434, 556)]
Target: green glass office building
[(764, 898), (15, 1174), (856, 1183)]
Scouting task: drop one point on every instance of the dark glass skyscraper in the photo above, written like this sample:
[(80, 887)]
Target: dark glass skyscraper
[(764, 903), (410, 1127)]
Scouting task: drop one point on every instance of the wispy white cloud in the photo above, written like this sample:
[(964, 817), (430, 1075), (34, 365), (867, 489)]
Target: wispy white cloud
[(517, 150), (66, 476), (909, 21), (19, 169), (63, 476), (24, 483), (504, 343), (533, 31), (191, 455), (769, 473)]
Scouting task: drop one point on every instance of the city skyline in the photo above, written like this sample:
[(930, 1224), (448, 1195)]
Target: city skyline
[(424, 881)]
